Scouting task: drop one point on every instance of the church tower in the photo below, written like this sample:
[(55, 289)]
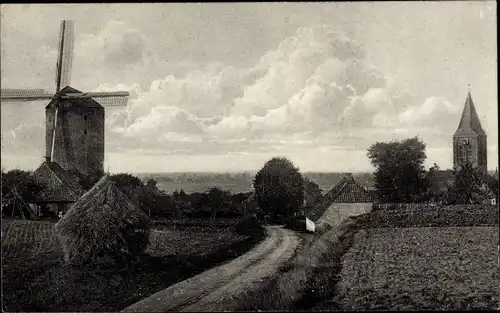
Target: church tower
[(469, 141)]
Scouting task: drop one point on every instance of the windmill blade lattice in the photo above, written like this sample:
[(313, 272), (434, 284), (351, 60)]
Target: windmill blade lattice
[(65, 54), (21, 95), (114, 98)]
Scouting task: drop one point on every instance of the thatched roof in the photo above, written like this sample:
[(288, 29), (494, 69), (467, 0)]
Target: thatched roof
[(103, 221), (59, 185)]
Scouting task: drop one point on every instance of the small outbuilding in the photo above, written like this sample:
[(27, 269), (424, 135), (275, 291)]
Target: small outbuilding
[(347, 195), (60, 189)]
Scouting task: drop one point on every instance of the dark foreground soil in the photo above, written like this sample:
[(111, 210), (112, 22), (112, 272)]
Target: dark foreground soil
[(35, 277)]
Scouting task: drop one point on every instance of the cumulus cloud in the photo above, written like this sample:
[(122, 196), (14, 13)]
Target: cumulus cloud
[(430, 113), (315, 84), (316, 87)]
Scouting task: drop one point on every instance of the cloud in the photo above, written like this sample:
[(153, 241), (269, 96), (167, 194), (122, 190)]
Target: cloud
[(315, 88), (312, 82), (430, 113)]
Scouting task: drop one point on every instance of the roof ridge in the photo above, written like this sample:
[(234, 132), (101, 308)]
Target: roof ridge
[(62, 180), (346, 179)]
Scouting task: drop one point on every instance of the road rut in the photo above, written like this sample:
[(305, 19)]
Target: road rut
[(219, 288)]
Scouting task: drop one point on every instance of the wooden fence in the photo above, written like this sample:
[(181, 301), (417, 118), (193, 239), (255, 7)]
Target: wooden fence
[(402, 206)]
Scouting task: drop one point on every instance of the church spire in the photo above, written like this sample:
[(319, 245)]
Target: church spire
[(469, 122)]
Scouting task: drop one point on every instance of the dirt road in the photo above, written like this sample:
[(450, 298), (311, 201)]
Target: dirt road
[(219, 288)]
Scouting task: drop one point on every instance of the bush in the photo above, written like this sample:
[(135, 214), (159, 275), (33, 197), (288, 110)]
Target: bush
[(103, 226), (469, 187), (279, 188), (250, 226), (297, 223)]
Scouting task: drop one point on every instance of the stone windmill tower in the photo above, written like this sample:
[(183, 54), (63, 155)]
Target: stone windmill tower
[(78, 142), (469, 141), (74, 133)]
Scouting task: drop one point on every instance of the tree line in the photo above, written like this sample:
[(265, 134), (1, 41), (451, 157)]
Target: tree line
[(280, 190), (400, 176)]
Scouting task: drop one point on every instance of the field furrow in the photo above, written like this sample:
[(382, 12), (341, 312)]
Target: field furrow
[(421, 268)]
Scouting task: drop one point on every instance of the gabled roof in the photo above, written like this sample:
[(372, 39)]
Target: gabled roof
[(469, 122), (59, 185), (81, 102), (347, 190)]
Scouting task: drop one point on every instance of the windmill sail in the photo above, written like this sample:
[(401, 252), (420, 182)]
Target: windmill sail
[(16, 95), (65, 55), (54, 128), (115, 98)]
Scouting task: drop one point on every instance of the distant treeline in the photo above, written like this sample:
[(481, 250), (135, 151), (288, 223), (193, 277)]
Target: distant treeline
[(240, 182), (214, 202)]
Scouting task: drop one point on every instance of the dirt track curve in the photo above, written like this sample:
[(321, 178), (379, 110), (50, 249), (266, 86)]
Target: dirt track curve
[(218, 288)]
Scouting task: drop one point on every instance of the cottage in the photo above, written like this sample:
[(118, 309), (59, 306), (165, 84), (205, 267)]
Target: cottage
[(347, 195), (60, 189)]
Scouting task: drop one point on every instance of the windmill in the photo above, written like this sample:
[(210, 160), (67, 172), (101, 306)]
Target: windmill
[(74, 120)]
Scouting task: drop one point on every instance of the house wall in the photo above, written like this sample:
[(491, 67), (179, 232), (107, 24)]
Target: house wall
[(338, 212)]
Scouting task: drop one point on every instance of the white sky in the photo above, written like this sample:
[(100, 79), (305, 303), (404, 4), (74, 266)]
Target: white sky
[(224, 87)]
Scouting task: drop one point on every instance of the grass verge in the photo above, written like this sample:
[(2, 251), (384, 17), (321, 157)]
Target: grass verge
[(284, 289)]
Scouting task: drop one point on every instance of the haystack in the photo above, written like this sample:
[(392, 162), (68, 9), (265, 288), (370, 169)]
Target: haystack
[(103, 225)]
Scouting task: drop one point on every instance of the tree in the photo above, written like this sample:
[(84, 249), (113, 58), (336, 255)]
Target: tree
[(126, 182), (468, 186), (399, 171), (218, 200), (153, 197), (279, 187), (87, 181), (23, 182), (134, 189), (181, 201), (165, 206), (312, 192), (433, 190)]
